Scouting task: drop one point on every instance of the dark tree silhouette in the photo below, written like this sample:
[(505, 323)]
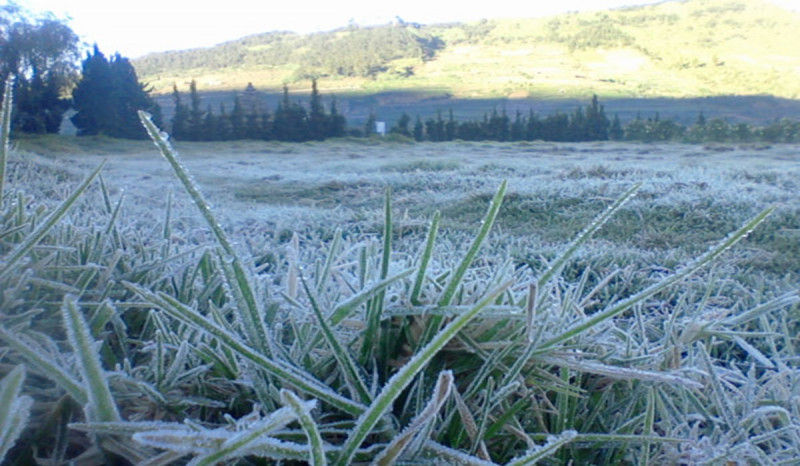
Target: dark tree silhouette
[(108, 97)]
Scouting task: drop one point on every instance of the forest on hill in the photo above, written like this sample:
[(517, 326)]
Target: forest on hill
[(680, 49)]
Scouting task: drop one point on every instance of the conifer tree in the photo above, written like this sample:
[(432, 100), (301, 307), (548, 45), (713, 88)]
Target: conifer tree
[(290, 120), (615, 132), (317, 120), (196, 115), (401, 127), (108, 97), (369, 125), (336, 122), (419, 130), (180, 120), (237, 120)]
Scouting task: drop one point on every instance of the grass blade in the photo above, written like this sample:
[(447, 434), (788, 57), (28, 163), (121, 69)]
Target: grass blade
[(101, 404), (425, 259), (16, 409), (553, 444), (240, 444), (47, 366), (343, 309), (5, 131), (235, 275), (684, 272), (346, 364), (33, 238), (400, 380), (444, 385), (281, 370), (587, 233), (486, 226), (372, 333), (303, 413)]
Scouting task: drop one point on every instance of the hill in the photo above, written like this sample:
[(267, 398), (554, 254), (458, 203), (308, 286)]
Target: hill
[(692, 48)]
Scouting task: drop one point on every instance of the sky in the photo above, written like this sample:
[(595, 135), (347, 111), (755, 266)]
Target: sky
[(137, 27)]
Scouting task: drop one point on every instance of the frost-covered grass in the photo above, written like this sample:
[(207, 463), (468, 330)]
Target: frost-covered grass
[(506, 304)]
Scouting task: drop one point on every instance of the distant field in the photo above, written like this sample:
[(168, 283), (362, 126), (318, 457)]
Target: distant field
[(692, 195)]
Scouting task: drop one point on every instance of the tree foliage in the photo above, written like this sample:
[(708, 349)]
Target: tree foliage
[(292, 121), (108, 96), (41, 53)]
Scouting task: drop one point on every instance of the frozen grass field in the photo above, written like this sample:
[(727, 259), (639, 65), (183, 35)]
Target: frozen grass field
[(506, 303)]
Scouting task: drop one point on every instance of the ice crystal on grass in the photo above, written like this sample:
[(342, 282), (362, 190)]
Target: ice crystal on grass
[(450, 323)]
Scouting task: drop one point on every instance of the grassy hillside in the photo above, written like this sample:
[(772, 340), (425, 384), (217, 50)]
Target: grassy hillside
[(692, 48)]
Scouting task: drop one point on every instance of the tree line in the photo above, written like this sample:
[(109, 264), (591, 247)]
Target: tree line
[(585, 124), (590, 124), (291, 121)]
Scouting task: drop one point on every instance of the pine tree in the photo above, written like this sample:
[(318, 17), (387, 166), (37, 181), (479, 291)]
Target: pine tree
[(180, 120), (615, 132), (91, 96), (196, 115), (108, 97), (237, 120), (369, 125), (401, 127), (291, 123), (336, 122), (419, 130), (317, 120)]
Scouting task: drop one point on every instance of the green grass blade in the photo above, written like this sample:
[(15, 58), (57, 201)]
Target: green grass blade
[(554, 443), (345, 308), (330, 258), (441, 391), (240, 444), (684, 272), (440, 452), (235, 275), (101, 403), (282, 371), (33, 238), (346, 364), (372, 332), (486, 225), (47, 366), (586, 234), (16, 409), (400, 380), (425, 259), (5, 131), (303, 413)]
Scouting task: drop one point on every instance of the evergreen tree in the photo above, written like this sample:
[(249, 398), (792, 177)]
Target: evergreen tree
[(196, 115), (419, 130), (337, 124), (369, 126), (108, 97), (180, 120), (518, 127), (401, 127), (237, 120), (91, 96), (451, 127), (317, 120), (615, 132), (597, 124), (291, 122)]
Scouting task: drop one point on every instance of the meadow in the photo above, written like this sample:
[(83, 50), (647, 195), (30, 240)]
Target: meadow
[(359, 301)]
